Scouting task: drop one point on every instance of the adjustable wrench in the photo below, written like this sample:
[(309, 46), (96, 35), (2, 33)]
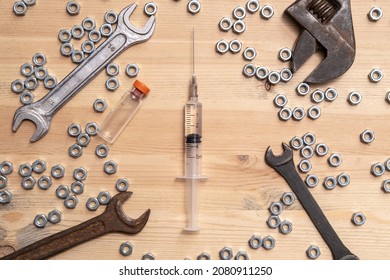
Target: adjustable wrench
[(284, 165), (113, 219), (327, 24), (43, 111)]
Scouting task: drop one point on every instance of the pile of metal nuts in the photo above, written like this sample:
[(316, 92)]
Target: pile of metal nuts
[(33, 73), (20, 7)]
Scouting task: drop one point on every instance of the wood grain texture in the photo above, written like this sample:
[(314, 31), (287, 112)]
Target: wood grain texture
[(240, 122)]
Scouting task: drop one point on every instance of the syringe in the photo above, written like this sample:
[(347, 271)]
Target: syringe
[(193, 152)]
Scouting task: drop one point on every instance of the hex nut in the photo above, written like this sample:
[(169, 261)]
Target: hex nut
[(226, 253), (288, 198), (255, 242), (122, 185), (330, 183), (269, 242), (91, 128), (335, 160), (5, 197), (6, 168), (273, 222), (104, 198), (40, 220), (386, 186), (73, 8), (241, 255), (25, 170), (276, 208), (307, 152), (304, 166), (367, 136), (203, 256), (77, 187), (110, 167), (54, 216), (71, 201), (44, 182), (378, 169), (39, 166), (126, 249), (311, 180), (148, 256), (20, 8), (83, 139), (313, 252), (92, 204), (100, 105), (343, 180), (285, 227), (57, 171), (3, 182), (296, 143), (102, 150), (74, 130), (358, 219), (75, 151), (80, 174), (28, 183), (62, 191)]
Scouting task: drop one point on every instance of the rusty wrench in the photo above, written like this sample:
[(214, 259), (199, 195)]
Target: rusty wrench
[(327, 24), (113, 219), (43, 111), (284, 165)]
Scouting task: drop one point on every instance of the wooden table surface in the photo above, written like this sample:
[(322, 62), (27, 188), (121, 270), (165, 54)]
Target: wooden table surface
[(239, 123)]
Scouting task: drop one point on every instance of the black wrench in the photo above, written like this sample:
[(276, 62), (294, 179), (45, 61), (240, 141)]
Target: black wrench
[(284, 165)]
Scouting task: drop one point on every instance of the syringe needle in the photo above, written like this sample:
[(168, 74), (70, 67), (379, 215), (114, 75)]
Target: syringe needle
[(194, 82)]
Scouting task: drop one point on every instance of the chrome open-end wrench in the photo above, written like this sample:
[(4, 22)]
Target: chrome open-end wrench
[(113, 219), (284, 165), (43, 111)]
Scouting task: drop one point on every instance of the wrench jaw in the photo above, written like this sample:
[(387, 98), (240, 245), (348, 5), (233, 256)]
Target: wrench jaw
[(135, 34), (276, 161), (327, 25), (125, 224), (42, 123)]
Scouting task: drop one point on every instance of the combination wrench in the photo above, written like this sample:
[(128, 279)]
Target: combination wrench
[(42, 112), (284, 165), (113, 219)]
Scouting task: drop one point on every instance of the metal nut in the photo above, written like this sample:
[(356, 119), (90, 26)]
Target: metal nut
[(39, 166), (222, 46), (5, 197), (75, 151), (6, 168), (3, 182), (77, 187), (20, 8), (378, 169), (376, 75), (269, 242), (54, 216), (226, 253), (273, 221), (285, 227), (112, 83), (100, 105), (307, 152), (112, 69), (110, 167), (148, 256), (92, 204), (62, 191), (28, 183), (276, 208), (83, 139), (88, 24), (57, 171), (367, 136), (126, 249), (44, 182), (25, 170), (122, 185), (17, 86), (40, 220), (321, 149), (354, 98), (303, 89), (343, 180), (73, 8), (255, 242), (296, 143), (150, 9), (104, 198), (358, 219), (77, 56), (375, 14), (111, 17), (288, 198), (330, 183), (335, 160), (311, 180), (132, 70), (313, 252), (386, 186), (304, 166), (71, 202), (266, 12), (241, 255), (74, 130), (91, 128), (314, 112), (285, 54), (102, 150), (194, 6), (27, 69), (39, 59), (203, 256), (80, 174)]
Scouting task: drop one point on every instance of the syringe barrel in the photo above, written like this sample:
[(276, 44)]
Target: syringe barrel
[(193, 117), (193, 156)]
